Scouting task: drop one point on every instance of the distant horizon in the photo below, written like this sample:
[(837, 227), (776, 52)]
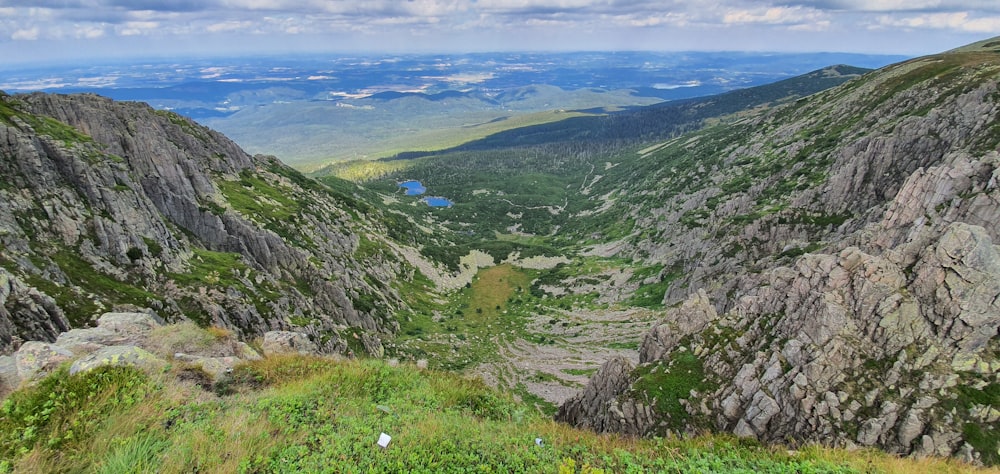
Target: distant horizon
[(418, 71), (44, 32), (323, 55)]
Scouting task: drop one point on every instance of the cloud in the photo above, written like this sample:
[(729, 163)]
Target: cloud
[(231, 25), (951, 21), (161, 5), (774, 16), (495, 24), (655, 20), (88, 32), (27, 34), (896, 5)]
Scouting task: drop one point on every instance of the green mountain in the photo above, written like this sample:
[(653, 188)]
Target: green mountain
[(801, 263)]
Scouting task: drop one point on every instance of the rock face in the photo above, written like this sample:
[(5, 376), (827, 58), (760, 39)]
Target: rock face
[(107, 205), (599, 408), (851, 349), (871, 311)]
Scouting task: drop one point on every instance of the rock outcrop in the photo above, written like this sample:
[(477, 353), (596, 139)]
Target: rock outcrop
[(851, 349), (140, 339), (858, 306), (598, 406), (107, 205)]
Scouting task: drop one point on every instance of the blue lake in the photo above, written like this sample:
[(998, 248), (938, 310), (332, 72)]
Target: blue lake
[(416, 188), (413, 187), (437, 201)]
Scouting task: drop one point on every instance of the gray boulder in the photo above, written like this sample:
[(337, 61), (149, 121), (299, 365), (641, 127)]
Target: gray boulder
[(35, 358), (215, 367), (85, 341), (117, 356), (132, 327), (287, 342)]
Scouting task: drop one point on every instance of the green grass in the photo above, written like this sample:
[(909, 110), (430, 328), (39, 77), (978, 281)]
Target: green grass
[(471, 323), (63, 412), (10, 108), (664, 383), (208, 267), (587, 372), (84, 280), (982, 436), (270, 205), (651, 295), (308, 414)]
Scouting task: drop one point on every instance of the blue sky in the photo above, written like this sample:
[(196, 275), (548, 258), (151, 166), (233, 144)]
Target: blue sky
[(53, 30)]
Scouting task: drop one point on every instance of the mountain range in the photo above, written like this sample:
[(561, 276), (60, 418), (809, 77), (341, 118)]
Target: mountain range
[(811, 261)]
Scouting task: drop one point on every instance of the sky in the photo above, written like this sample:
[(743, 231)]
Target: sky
[(40, 31)]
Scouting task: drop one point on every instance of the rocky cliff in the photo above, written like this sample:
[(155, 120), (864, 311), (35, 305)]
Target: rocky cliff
[(107, 205), (835, 273)]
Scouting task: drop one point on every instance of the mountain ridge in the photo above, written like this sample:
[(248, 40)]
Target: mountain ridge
[(837, 271)]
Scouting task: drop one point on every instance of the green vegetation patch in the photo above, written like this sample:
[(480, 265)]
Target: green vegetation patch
[(306, 414), (75, 297), (253, 196), (9, 108), (468, 327), (273, 206), (985, 437), (222, 270), (63, 412), (665, 383), (212, 268), (651, 295)]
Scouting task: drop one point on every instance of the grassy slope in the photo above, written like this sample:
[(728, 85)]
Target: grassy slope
[(303, 414), (467, 328)]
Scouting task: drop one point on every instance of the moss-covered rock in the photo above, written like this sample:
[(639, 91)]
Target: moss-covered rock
[(117, 356)]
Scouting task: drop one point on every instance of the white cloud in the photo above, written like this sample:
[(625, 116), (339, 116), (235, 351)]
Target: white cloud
[(229, 26), (952, 21), (535, 4), (136, 28), (88, 32), (897, 6), (672, 19), (25, 34), (498, 24), (773, 16)]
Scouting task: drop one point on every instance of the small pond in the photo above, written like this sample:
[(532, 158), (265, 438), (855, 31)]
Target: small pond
[(416, 188), (435, 201), (413, 187)]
